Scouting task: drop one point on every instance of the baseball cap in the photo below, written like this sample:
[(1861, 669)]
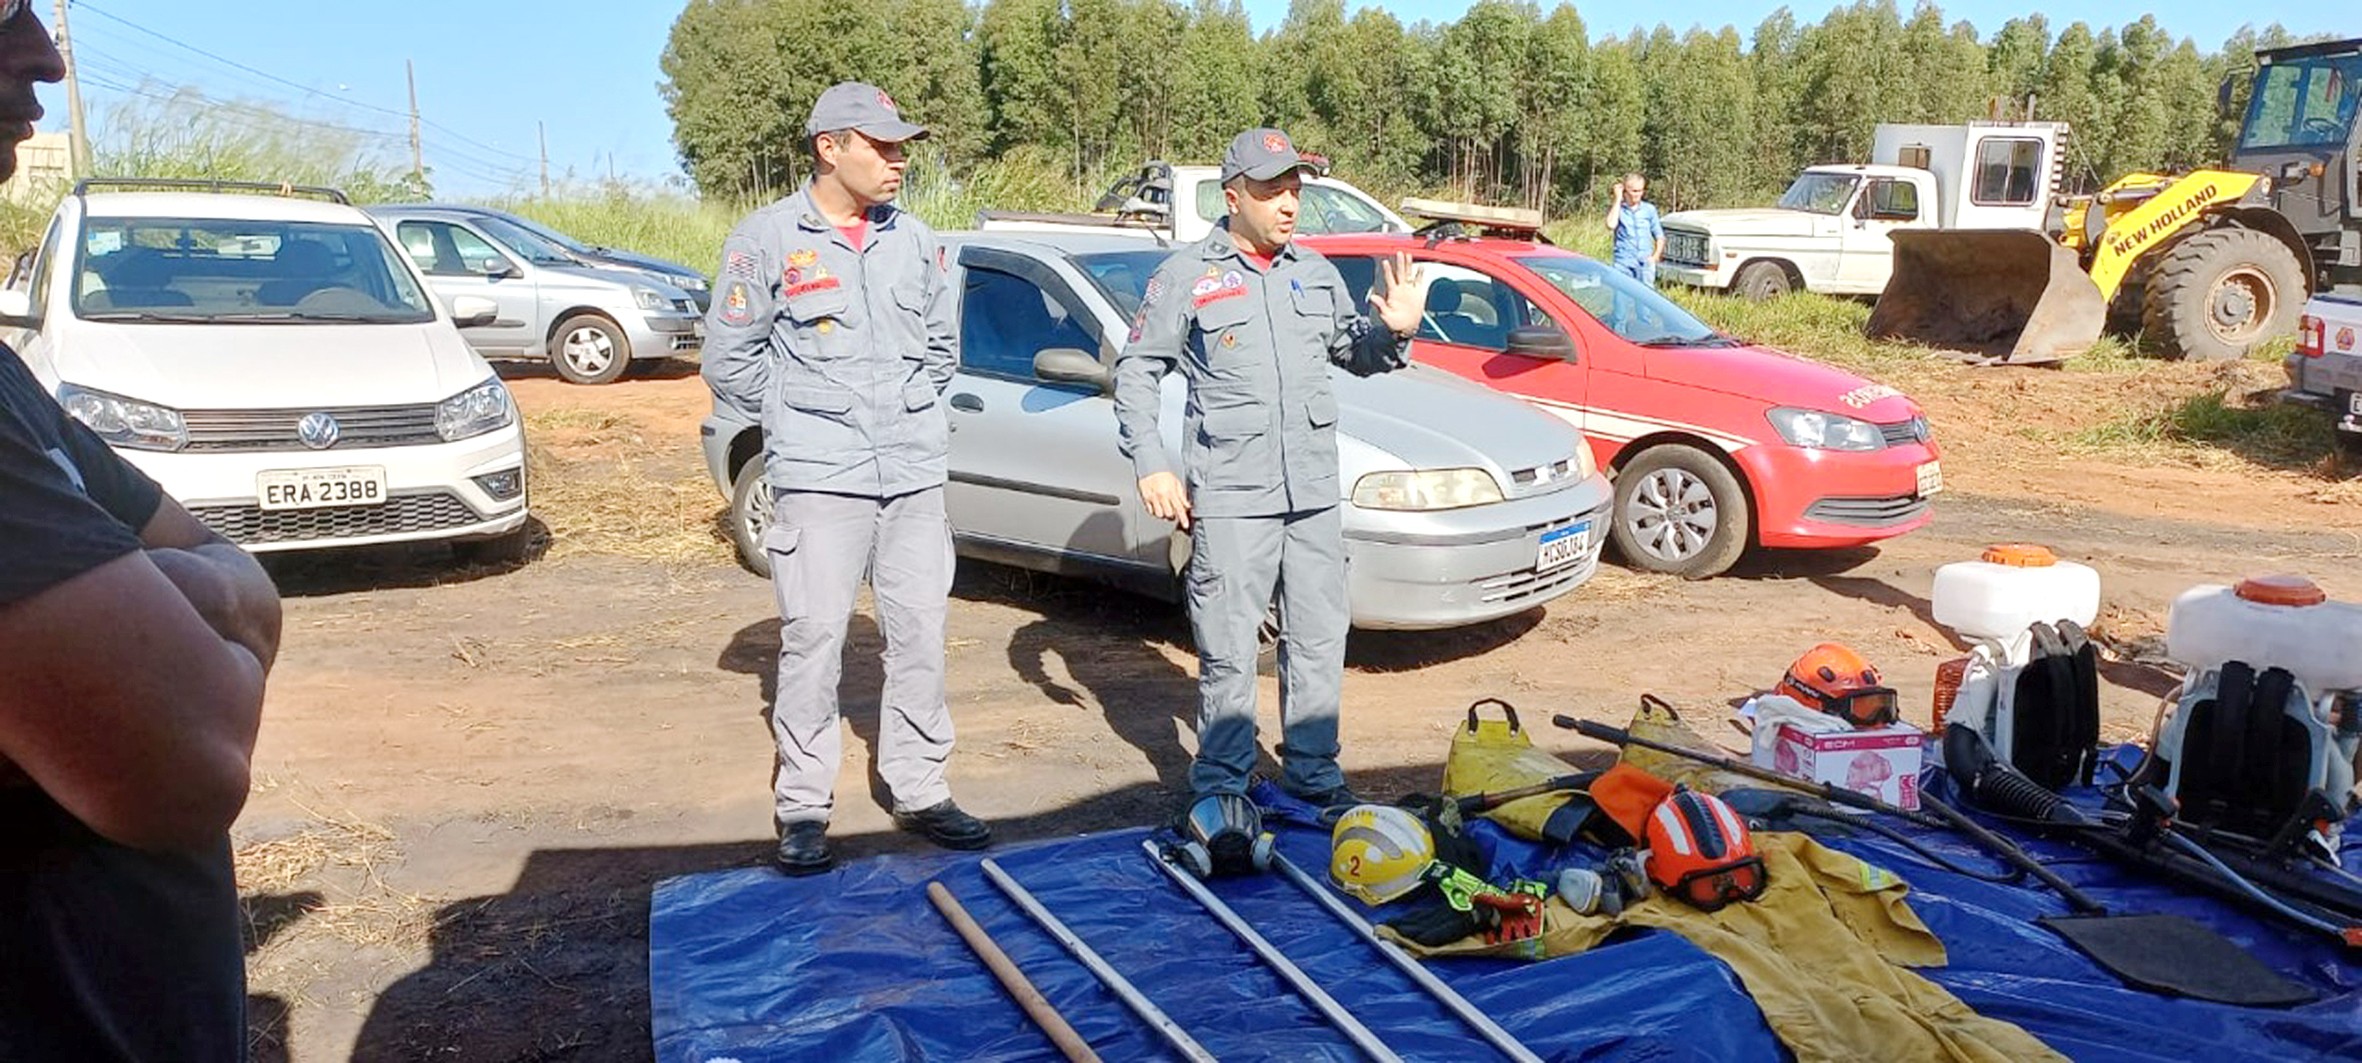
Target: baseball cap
[(866, 109), (1262, 154)]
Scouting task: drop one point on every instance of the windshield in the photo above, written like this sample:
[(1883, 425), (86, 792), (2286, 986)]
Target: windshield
[(563, 241), (1820, 193), (2301, 104), (1629, 308), (225, 270), (1123, 275), (531, 248)]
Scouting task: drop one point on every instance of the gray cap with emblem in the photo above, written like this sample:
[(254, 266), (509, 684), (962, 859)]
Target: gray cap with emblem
[(865, 109), (1263, 154)]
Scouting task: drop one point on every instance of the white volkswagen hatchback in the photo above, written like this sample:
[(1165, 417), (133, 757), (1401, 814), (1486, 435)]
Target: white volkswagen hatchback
[(275, 362)]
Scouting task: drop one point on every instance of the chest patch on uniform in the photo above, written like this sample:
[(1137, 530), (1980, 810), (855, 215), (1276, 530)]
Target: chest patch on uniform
[(803, 259), (1211, 288), (820, 282), (735, 307)]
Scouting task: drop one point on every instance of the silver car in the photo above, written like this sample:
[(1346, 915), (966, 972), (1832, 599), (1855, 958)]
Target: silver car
[(1037, 481), (590, 323)]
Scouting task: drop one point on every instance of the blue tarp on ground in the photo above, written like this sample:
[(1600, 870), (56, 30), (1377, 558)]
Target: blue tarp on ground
[(747, 965)]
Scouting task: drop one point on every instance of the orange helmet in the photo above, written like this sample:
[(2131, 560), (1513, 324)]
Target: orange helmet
[(1834, 679), (1700, 852)]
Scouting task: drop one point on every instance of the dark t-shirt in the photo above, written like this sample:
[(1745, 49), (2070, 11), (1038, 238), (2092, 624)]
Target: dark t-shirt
[(106, 952)]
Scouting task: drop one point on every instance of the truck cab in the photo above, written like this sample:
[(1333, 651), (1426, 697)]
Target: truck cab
[(1832, 231), (2301, 131)]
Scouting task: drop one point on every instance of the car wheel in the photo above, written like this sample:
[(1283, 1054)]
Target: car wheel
[(1761, 280), (750, 516), (2350, 444), (1680, 511), (589, 349)]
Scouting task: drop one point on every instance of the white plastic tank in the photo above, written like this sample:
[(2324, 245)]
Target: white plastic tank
[(2013, 586), (2269, 621)]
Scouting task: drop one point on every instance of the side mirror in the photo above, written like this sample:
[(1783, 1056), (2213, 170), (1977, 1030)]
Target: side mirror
[(1542, 341), (498, 269), (473, 311), (16, 308), (1068, 365)]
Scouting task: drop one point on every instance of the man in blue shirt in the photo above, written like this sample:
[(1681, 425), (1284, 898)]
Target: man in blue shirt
[(1639, 237)]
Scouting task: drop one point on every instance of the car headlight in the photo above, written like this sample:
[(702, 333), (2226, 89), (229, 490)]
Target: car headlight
[(651, 299), (1426, 489), (1585, 465), (480, 409), (689, 284), (1820, 430), (125, 422)]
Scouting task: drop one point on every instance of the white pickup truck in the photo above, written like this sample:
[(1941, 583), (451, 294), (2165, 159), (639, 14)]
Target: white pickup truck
[(2325, 372), (1145, 201), (1829, 233)]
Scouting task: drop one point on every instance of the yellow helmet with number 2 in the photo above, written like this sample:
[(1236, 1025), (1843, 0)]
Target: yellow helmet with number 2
[(1379, 853)]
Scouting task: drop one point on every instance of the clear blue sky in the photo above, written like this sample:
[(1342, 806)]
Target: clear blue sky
[(489, 69)]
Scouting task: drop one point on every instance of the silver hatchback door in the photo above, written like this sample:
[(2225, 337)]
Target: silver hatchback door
[(1034, 464), (459, 261)]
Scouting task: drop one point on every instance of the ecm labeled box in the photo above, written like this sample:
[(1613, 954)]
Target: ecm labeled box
[(1882, 762)]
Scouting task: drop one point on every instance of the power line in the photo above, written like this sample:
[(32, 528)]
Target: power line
[(260, 119), (234, 64), (108, 80)]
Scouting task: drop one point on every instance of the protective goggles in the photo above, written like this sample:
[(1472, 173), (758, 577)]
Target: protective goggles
[(1867, 707), (1710, 888)]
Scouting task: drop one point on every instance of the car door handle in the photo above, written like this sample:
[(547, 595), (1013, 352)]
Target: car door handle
[(967, 403)]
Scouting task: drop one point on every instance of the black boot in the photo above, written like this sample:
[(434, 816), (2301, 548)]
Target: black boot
[(947, 826), (803, 848)]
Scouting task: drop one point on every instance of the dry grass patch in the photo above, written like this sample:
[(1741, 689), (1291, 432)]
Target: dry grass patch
[(592, 488), (325, 880)]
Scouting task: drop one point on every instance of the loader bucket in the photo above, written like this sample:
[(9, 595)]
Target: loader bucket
[(1997, 295)]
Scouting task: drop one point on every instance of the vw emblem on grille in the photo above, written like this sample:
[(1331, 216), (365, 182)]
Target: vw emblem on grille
[(1919, 429), (317, 431)]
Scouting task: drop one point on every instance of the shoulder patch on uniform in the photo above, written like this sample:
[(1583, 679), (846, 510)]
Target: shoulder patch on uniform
[(740, 265), (1156, 289), (737, 308)]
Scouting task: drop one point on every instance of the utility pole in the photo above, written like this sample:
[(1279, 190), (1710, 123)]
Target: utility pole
[(77, 125), (417, 154), (542, 131)]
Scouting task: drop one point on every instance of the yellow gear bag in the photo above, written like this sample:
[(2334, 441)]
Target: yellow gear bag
[(1488, 756)]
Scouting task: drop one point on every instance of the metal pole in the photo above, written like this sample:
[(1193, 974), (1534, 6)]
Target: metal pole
[(77, 124), (1311, 991), (1116, 983), (1452, 1001), (417, 154), (1070, 1043)]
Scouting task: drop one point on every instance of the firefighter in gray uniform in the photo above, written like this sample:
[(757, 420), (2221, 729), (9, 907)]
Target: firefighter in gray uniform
[(833, 326), (1254, 322)]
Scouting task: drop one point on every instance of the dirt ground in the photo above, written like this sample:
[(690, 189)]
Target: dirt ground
[(469, 779)]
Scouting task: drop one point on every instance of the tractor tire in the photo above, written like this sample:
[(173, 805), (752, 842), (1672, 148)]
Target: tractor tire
[(2217, 294), (1761, 280)]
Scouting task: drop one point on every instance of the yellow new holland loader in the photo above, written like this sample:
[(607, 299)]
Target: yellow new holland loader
[(2209, 263)]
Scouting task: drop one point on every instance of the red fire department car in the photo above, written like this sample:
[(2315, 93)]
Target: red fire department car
[(1716, 445)]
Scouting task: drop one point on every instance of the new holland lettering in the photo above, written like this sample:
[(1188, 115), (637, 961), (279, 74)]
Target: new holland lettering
[(2164, 223)]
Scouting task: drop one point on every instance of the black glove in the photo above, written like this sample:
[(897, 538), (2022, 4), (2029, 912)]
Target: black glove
[(1435, 925)]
